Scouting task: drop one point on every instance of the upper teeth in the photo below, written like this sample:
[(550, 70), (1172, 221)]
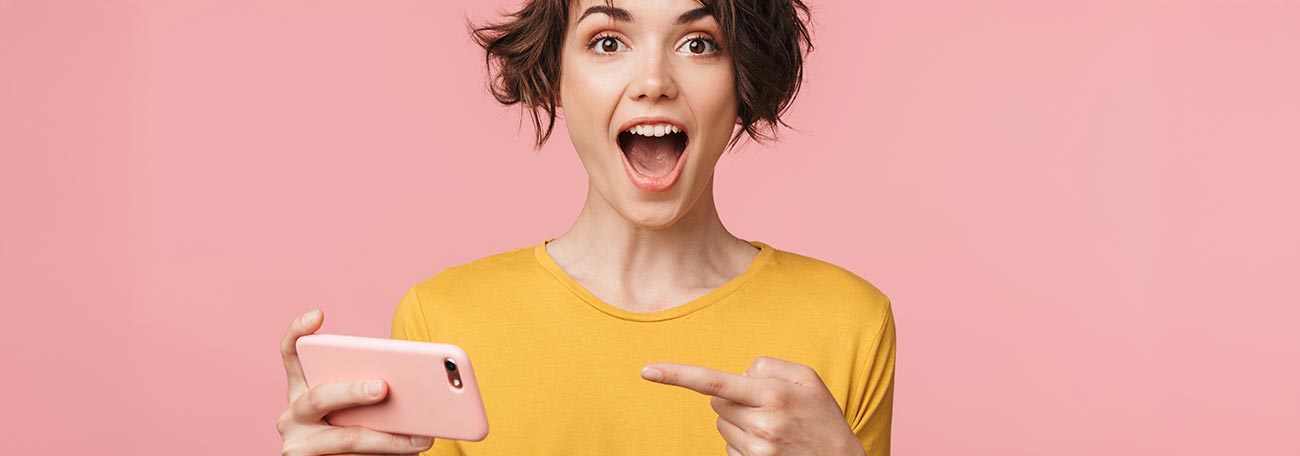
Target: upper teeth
[(653, 129)]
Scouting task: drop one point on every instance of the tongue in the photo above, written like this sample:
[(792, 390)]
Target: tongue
[(652, 156)]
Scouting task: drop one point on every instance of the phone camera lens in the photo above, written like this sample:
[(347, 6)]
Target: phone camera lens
[(452, 375)]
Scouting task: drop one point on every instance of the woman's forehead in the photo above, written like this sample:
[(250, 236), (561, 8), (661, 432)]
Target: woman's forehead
[(634, 11)]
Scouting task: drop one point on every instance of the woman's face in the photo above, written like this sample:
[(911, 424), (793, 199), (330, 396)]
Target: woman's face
[(653, 67)]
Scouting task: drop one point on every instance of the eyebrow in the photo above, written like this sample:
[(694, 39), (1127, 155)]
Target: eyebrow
[(620, 14)]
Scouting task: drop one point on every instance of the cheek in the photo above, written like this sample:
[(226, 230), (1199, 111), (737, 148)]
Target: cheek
[(713, 101), (589, 97)]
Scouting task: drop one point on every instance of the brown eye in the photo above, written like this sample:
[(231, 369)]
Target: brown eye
[(699, 46), (609, 45)]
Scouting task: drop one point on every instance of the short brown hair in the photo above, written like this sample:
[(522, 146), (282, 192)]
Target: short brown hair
[(767, 40)]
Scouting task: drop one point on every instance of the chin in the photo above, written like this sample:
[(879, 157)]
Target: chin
[(652, 215)]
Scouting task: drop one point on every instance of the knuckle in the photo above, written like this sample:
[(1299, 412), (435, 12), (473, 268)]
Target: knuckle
[(758, 427), (282, 423), (768, 429), (762, 449), (772, 397), (809, 374), (316, 399), (806, 370), (778, 428), (714, 385), (291, 448)]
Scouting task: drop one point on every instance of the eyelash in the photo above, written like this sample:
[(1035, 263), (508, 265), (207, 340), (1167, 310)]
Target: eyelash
[(591, 45)]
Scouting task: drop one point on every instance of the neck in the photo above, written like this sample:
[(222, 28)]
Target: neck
[(646, 269)]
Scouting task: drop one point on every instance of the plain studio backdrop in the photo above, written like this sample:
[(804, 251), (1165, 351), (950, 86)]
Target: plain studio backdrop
[(1086, 213)]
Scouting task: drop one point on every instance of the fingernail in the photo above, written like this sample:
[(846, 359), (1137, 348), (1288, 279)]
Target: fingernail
[(420, 441), (374, 387), (310, 317), (652, 374)]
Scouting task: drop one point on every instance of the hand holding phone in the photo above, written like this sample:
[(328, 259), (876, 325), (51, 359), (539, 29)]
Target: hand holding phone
[(302, 426), (432, 389)]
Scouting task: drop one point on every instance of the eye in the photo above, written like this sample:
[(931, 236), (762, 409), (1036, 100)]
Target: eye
[(606, 44), (699, 46)]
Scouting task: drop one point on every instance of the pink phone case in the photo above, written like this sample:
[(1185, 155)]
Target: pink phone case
[(422, 398)]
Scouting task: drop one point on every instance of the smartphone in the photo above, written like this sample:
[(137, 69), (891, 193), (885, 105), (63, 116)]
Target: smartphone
[(431, 387)]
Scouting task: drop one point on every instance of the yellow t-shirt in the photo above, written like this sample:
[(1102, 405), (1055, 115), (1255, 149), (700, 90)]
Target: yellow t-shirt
[(559, 369)]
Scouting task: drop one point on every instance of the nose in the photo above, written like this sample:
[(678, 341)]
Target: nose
[(654, 79)]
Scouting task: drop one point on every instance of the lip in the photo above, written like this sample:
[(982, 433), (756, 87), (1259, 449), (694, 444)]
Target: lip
[(647, 183)]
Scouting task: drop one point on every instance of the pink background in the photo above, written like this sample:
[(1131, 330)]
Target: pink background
[(1087, 214)]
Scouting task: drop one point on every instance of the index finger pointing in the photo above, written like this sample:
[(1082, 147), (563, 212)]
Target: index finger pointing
[(705, 381)]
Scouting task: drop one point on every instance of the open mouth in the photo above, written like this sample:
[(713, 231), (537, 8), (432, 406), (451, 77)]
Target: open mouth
[(653, 155)]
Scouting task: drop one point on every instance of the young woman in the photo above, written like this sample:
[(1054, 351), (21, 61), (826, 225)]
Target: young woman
[(647, 328)]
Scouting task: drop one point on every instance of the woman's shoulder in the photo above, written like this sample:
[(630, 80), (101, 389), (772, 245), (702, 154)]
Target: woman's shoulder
[(824, 282), (460, 294), (484, 273)]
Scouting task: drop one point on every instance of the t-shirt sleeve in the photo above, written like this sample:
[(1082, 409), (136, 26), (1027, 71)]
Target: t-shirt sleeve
[(409, 324), (876, 407), (408, 319)]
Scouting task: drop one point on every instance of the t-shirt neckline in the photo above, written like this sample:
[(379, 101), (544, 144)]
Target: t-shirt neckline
[(760, 260)]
